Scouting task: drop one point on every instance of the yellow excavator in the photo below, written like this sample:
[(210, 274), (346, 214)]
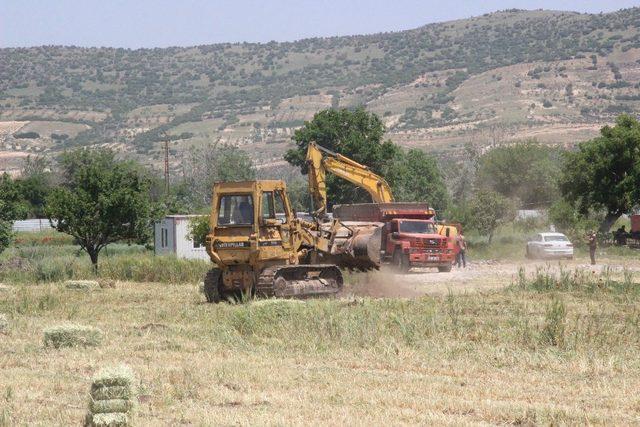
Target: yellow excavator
[(320, 161)]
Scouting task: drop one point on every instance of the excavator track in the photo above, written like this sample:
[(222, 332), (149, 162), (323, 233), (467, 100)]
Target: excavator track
[(212, 285), (299, 281), (264, 286)]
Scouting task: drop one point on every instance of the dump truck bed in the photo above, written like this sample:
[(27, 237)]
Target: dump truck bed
[(382, 212)]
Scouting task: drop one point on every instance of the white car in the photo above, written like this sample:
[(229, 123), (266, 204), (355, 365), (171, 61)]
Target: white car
[(550, 245)]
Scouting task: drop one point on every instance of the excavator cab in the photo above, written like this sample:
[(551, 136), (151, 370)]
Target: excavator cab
[(258, 245), (250, 223)]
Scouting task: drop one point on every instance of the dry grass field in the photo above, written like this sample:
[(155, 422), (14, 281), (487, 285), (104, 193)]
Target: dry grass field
[(552, 348)]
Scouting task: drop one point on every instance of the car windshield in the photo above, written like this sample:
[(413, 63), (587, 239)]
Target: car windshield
[(417, 227), (559, 238), (235, 210)]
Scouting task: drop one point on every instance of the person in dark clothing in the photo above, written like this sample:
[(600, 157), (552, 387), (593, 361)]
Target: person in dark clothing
[(246, 213), (462, 250), (593, 245), (621, 236)]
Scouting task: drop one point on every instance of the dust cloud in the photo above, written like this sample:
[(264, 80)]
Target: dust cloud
[(380, 284)]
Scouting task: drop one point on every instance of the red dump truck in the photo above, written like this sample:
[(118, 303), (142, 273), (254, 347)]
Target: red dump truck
[(635, 225), (409, 236)]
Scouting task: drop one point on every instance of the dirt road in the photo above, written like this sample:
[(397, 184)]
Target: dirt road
[(477, 277)]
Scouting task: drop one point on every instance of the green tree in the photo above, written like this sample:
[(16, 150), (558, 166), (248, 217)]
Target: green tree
[(490, 209), (35, 185), (416, 178), (462, 175), (356, 134), (527, 171), (459, 212), (101, 200), (604, 173), (298, 191), (571, 222), (203, 166), (10, 209), (199, 229)]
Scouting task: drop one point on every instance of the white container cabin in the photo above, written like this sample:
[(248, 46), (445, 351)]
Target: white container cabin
[(171, 237)]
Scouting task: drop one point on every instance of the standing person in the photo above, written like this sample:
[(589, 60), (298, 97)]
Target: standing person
[(621, 236), (593, 245), (461, 243)]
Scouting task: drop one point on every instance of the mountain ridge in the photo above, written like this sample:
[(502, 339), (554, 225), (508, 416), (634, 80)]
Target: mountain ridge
[(435, 79)]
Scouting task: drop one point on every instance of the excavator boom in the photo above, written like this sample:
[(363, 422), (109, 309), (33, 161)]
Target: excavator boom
[(320, 161)]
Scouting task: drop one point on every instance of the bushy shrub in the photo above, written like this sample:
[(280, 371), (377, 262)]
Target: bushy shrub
[(26, 135)]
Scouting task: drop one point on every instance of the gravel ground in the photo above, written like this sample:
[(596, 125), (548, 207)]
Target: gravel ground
[(476, 277)]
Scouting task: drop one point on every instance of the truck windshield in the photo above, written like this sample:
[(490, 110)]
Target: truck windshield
[(417, 227), (235, 210)]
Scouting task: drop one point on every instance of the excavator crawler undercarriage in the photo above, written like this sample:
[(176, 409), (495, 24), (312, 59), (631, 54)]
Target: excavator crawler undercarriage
[(299, 281)]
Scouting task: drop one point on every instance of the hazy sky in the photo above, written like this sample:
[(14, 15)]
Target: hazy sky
[(161, 23)]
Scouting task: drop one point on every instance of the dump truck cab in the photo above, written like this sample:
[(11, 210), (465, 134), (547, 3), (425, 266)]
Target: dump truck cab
[(411, 243)]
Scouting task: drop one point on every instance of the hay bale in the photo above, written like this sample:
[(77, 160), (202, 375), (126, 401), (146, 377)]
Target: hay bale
[(5, 288), (72, 336), (112, 398), (114, 376), (4, 322), (102, 392), (107, 283), (201, 287), (110, 406), (108, 420), (82, 285)]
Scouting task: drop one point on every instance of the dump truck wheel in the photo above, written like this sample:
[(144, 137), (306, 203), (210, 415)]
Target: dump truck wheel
[(444, 269), (212, 285), (401, 261)]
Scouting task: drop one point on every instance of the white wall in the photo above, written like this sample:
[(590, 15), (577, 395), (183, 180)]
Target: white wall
[(184, 245), (176, 241), (164, 237)]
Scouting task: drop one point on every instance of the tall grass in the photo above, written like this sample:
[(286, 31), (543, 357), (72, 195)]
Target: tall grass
[(42, 238), (583, 281), (563, 314), (43, 263)]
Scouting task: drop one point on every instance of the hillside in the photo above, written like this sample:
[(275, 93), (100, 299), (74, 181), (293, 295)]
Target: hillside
[(557, 76)]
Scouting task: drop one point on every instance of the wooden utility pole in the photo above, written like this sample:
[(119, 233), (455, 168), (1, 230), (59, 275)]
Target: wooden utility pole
[(166, 165)]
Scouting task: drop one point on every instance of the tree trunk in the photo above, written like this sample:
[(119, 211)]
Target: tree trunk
[(93, 254), (608, 221)]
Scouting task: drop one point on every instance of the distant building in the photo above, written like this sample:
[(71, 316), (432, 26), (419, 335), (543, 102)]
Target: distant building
[(31, 225), (171, 237), (530, 214)]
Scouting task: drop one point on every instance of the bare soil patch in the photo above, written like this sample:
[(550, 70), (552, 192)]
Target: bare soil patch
[(476, 277)]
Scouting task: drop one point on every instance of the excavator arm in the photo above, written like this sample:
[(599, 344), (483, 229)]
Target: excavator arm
[(320, 161)]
